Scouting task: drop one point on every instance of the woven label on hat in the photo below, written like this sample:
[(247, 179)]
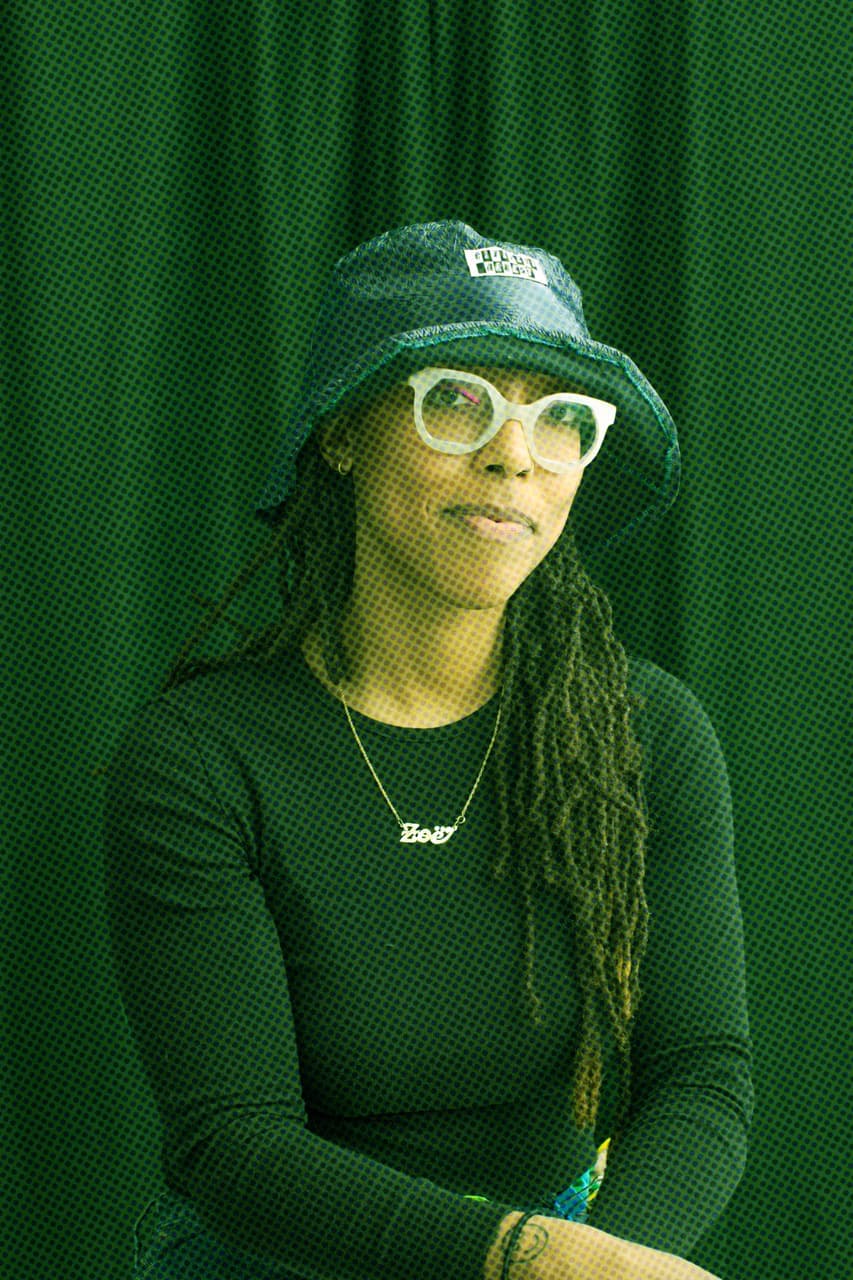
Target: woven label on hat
[(496, 261)]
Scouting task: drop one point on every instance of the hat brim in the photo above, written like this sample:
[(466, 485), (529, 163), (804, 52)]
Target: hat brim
[(635, 476)]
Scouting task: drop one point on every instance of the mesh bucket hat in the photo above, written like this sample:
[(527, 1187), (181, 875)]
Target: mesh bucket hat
[(439, 293)]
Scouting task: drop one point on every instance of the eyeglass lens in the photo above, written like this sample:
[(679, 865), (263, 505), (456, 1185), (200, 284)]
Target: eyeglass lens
[(462, 413)]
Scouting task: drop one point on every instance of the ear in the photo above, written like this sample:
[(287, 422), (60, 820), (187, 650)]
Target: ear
[(335, 438)]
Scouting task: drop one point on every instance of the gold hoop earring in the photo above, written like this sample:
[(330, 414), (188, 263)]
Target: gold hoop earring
[(343, 467)]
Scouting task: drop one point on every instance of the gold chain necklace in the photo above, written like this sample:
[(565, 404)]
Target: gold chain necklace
[(413, 832)]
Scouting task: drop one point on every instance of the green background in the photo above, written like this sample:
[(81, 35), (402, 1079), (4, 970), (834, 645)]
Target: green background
[(176, 181)]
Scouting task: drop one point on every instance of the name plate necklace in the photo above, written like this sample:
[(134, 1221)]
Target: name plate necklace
[(413, 832)]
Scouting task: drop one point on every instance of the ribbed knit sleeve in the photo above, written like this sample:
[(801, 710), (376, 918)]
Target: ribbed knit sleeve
[(683, 1149)]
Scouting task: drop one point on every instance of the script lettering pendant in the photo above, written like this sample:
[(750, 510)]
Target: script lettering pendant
[(412, 833)]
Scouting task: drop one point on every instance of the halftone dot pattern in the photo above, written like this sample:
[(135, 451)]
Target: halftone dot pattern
[(175, 186)]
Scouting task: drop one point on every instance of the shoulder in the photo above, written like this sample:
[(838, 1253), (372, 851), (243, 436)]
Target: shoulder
[(675, 732), (651, 682), (224, 715), (228, 698), (666, 702), (229, 692)]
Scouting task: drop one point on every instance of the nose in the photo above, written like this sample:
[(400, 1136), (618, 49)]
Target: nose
[(507, 451)]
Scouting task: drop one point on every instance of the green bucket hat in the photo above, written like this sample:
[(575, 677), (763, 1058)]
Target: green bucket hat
[(438, 292)]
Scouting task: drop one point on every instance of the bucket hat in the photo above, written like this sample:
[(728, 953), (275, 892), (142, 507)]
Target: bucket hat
[(440, 293)]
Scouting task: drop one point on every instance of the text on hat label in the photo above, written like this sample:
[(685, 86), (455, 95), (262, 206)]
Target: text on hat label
[(495, 261)]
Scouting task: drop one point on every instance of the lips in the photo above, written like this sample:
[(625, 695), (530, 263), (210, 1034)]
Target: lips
[(500, 515), (500, 526)]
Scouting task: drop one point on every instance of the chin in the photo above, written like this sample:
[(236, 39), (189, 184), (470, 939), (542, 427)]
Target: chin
[(486, 592)]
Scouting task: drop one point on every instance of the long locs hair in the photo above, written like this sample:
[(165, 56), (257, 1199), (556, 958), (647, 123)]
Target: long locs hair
[(571, 812)]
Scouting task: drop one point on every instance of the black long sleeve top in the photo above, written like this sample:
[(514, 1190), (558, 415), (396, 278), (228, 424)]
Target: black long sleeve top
[(334, 1023)]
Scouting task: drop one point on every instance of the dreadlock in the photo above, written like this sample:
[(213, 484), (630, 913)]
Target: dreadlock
[(574, 799), (571, 812)]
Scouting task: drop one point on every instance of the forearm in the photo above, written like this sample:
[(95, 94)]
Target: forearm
[(672, 1174), (324, 1210), (554, 1249)]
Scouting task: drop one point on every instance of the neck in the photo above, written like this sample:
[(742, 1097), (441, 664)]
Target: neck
[(413, 670)]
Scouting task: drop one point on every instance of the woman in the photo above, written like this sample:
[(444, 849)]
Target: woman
[(424, 890)]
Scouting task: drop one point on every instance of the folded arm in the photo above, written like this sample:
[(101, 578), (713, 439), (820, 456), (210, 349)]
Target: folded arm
[(205, 988), (683, 1149)]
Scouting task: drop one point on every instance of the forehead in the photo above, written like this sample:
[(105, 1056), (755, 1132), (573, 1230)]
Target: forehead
[(517, 384)]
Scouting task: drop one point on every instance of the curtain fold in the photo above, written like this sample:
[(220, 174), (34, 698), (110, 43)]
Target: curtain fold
[(176, 182)]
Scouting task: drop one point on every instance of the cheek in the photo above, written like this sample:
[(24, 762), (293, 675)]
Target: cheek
[(560, 505), (390, 500), (402, 478)]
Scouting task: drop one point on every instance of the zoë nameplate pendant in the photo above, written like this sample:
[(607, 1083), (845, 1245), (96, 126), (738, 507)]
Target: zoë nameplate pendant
[(412, 833)]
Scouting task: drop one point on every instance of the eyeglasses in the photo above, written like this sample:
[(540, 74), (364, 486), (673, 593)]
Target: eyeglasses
[(457, 412)]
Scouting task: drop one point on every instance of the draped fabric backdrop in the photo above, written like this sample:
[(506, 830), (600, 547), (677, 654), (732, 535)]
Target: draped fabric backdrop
[(177, 180)]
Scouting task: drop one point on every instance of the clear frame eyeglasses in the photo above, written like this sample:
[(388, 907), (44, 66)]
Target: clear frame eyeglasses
[(458, 412)]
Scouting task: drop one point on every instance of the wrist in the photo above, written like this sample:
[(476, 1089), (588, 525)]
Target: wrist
[(521, 1238)]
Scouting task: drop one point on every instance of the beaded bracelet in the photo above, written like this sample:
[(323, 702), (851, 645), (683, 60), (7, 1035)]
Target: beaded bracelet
[(513, 1239)]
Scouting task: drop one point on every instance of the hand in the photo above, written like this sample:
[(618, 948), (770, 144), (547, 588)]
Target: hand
[(552, 1249)]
